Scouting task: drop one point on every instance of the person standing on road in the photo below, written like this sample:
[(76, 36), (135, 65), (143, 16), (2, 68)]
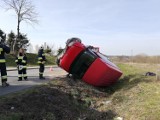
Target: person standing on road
[(3, 49), (21, 61), (41, 62)]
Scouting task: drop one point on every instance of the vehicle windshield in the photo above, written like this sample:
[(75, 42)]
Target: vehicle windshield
[(105, 59)]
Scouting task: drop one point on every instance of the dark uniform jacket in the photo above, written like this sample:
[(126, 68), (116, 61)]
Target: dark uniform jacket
[(41, 57), (3, 49), (21, 60)]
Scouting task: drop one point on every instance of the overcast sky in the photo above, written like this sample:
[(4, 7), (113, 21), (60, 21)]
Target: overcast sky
[(118, 27)]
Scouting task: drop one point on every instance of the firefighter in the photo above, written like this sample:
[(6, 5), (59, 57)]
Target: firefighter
[(3, 49), (41, 62), (21, 61)]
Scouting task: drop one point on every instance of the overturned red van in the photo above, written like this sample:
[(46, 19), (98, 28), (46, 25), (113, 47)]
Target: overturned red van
[(88, 64)]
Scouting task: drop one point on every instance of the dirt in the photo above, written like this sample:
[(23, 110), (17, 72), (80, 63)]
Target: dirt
[(61, 99)]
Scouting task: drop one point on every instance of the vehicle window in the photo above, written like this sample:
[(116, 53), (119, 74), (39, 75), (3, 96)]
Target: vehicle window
[(106, 60), (82, 63)]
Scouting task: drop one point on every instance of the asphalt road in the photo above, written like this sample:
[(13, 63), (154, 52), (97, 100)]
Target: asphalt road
[(33, 79)]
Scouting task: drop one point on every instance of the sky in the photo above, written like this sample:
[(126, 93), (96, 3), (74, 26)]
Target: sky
[(117, 27)]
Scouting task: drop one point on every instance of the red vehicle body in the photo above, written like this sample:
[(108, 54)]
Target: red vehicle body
[(92, 67)]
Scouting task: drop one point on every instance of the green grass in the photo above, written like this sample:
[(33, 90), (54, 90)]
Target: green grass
[(32, 60), (133, 97)]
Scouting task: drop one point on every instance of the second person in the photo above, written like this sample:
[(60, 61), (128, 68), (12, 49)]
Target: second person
[(21, 61)]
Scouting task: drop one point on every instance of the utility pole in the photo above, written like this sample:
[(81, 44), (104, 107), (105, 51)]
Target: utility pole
[(131, 56)]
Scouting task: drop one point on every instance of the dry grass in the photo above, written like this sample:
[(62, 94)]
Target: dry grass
[(133, 97)]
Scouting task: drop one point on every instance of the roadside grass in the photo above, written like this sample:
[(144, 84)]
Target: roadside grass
[(134, 97), (32, 60), (10, 60), (47, 103)]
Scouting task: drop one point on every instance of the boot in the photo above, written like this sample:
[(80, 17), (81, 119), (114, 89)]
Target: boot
[(41, 77), (25, 78), (20, 79), (5, 84)]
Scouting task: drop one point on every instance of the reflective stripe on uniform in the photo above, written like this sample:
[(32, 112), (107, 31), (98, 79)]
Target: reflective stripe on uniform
[(23, 61), (39, 62), (16, 60), (20, 75), (2, 60), (20, 58), (24, 66), (24, 75), (1, 49), (4, 77), (41, 73), (39, 58)]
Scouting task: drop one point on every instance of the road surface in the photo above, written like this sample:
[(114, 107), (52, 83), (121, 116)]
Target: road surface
[(33, 79)]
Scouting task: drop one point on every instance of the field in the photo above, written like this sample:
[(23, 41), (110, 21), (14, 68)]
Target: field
[(133, 97)]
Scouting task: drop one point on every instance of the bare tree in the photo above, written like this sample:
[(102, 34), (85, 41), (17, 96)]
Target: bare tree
[(25, 11), (52, 47), (30, 48)]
